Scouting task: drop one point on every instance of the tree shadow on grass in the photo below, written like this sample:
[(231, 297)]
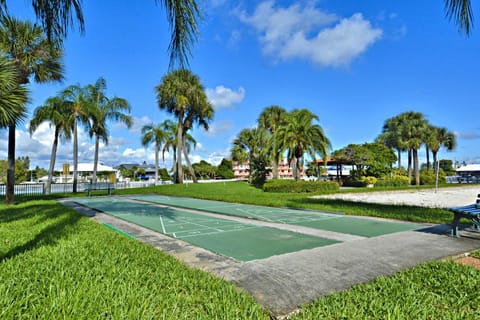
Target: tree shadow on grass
[(56, 220), (398, 212)]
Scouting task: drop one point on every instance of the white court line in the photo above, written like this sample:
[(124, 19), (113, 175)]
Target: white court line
[(223, 231), (163, 226)]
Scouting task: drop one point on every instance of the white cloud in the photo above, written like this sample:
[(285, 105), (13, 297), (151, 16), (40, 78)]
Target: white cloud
[(235, 37), (137, 125), (467, 135), (222, 97), (308, 33), (220, 128)]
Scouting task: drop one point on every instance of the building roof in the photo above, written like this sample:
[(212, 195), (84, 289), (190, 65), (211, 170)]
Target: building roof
[(88, 167), (469, 167)]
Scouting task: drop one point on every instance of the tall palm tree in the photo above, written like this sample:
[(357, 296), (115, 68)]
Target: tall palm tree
[(441, 137), (182, 94), (157, 136), (251, 143), (13, 100), (413, 128), (77, 97), (104, 109), (60, 115), (300, 135), (170, 142), (27, 46), (272, 118), (57, 16)]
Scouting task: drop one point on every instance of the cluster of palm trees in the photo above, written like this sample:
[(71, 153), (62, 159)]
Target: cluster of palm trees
[(409, 131), (279, 132), (29, 51), (181, 94), (76, 105)]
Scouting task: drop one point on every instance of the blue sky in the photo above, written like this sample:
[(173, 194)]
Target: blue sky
[(353, 63)]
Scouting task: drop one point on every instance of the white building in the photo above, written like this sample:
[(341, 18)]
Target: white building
[(85, 171), (469, 173)]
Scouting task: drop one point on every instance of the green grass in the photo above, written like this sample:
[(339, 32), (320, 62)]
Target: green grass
[(436, 290), (55, 263), (241, 192)]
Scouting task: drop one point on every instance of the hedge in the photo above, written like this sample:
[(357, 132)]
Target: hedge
[(292, 186)]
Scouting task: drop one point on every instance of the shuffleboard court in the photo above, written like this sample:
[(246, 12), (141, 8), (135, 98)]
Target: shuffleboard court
[(313, 219), (241, 241)]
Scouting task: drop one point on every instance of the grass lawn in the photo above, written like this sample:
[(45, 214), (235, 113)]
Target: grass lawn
[(55, 263)]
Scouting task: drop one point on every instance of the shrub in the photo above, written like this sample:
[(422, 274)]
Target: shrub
[(428, 177), (368, 180), (395, 181), (292, 186)]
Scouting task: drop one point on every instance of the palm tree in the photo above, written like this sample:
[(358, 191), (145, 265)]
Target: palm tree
[(60, 114), (77, 97), (13, 96), (157, 136), (26, 45), (300, 135), (249, 145), (412, 129), (57, 16), (271, 119), (181, 94), (392, 138), (441, 137), (104, 109), (13, 99), (171, 142)]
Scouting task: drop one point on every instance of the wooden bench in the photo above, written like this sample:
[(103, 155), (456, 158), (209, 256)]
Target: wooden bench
[(100, 186), (470, 212)]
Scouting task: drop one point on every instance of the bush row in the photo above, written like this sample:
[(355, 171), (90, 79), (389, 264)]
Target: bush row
[(395, 181), (291, 186)]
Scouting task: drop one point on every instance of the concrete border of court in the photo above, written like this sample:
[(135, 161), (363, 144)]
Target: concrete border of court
[(283, 283)]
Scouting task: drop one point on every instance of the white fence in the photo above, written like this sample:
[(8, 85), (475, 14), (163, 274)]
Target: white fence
[(39, 188)]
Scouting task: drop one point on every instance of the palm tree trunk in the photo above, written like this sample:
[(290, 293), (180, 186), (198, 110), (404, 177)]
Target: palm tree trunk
[(48, 188), (179, 178), (295, 168), (10, 192), (75, 155), (174, 168), (250, 167), (409, 164), (157, 147), (435, 165), (399, 155), (415, 165), (275, 166), (187, 160), (427, 152), (95, 159)]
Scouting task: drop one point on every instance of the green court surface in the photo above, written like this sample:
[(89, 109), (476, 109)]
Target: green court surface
[(313, 219), (241, 241)]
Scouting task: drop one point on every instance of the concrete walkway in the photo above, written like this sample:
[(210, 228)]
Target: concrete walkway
[(283, 283)]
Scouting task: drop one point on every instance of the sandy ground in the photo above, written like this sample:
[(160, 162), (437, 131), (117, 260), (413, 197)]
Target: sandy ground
[(442, 198)]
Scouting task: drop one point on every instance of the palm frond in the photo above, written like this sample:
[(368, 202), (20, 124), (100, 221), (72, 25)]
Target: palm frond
[(460, 11)]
